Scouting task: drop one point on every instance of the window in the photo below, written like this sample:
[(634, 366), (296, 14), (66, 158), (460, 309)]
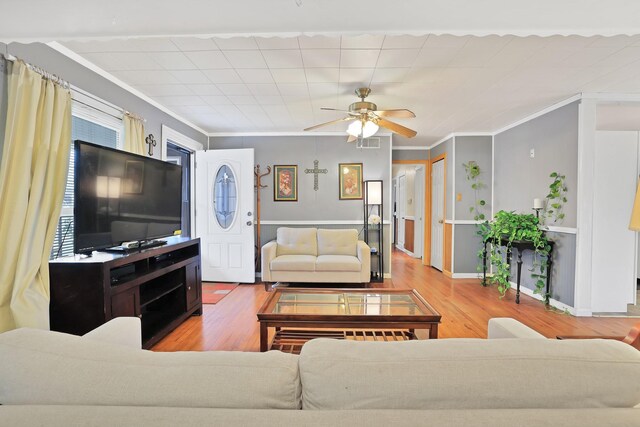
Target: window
[(89, 125)]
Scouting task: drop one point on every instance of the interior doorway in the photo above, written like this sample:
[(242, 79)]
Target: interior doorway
[(410, 185), (437, 214), (614, 269)]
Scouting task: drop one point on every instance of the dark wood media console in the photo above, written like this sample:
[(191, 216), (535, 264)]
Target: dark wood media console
[(162, 286)]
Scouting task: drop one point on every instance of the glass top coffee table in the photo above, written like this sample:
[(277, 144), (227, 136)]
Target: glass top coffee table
[(299, 315)]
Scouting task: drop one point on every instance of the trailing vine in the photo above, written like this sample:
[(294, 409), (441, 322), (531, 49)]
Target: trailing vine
[(556, 198), (472, 171)]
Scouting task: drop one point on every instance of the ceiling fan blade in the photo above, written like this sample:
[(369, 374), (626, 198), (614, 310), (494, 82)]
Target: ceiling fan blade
[(400, 113), (394, 127), (351, 138), (344, 119), (334, 109)]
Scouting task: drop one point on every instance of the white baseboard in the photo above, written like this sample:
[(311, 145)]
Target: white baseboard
[(387, 275), (466, 276), (406, 251), (582, 312), (552, 302)]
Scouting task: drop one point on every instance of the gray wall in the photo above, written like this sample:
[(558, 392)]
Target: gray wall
[(410, 154), (323, 204), (54, 62), (446, 147), (469, 148), (519, 179), (562, 270), (466, 242), (466, 247)]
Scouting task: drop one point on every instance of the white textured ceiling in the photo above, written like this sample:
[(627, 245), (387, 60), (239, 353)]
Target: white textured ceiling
[(277, 80), (452, 83)]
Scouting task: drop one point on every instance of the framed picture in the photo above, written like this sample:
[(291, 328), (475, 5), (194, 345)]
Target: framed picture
[(285, 183), (133, 177), (350, 181)]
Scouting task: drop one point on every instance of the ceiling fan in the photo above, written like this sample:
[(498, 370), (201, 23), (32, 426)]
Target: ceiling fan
[(366, 118)]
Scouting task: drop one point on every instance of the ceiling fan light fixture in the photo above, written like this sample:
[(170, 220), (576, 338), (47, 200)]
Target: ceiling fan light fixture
[(369, 129), (356, 129)]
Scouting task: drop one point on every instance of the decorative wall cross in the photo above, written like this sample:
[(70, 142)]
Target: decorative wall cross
[(315, 171), (151, 141)]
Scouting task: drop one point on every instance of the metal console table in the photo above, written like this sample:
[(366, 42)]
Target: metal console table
[(520, 246)]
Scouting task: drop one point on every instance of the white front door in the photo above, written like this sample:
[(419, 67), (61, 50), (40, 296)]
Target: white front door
[(224, 214), (437, 213), (402, 208)]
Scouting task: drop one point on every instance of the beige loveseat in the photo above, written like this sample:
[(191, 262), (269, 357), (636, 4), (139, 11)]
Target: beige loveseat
[(316, 255), (54, 379)]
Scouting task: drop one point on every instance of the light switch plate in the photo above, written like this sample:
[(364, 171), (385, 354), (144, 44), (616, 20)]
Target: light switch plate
[(532, 153)]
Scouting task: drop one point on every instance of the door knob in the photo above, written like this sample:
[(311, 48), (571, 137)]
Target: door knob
[(249, 222), (440, 221)]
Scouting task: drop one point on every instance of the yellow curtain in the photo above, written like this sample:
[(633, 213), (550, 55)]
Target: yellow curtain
[(35, 160), (134, 135)]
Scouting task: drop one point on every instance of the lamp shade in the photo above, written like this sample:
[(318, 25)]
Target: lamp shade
[(374, 192), (634, 224), (356, 129)]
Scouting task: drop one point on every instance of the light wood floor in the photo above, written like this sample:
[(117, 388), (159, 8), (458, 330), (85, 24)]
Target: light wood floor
[(465, 307)]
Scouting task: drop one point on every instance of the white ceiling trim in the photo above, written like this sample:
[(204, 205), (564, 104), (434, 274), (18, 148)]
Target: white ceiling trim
[(90, 65), (612, 97), (309, 17)]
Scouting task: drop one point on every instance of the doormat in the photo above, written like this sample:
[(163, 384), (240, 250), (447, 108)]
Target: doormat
[(212, 293)]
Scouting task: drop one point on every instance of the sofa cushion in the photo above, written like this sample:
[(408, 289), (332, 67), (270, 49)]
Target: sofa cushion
[(293, 263), (469, 374), (337, 242), (297, 241), (51, 368), (337, 263)]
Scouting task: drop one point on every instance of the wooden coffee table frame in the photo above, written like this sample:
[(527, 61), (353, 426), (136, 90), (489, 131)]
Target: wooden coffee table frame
[(371, 327)]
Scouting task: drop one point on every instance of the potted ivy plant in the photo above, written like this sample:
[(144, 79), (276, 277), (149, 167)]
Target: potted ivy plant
[(508, 227), (505, 229)]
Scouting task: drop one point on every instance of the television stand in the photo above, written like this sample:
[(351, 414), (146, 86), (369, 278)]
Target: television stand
[(162, 286)]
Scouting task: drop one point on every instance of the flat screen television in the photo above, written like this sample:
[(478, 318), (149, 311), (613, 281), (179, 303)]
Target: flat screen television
[(123, 197)]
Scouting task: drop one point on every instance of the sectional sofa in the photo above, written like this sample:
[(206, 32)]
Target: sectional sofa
[(105, 379)]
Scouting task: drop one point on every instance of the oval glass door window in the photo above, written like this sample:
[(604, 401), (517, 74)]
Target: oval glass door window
[(225, 197)]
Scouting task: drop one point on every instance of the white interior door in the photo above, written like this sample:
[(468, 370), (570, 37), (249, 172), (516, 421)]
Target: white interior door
[(224, 214), (402, 196), (394, 204), (437, 214), (614, 245), (418, 236)]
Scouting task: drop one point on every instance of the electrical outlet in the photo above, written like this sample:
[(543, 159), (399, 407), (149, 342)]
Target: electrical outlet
[(532, 153)]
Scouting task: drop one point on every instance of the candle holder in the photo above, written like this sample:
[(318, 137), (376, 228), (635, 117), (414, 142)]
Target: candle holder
[(537, 212), (538, 206)]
